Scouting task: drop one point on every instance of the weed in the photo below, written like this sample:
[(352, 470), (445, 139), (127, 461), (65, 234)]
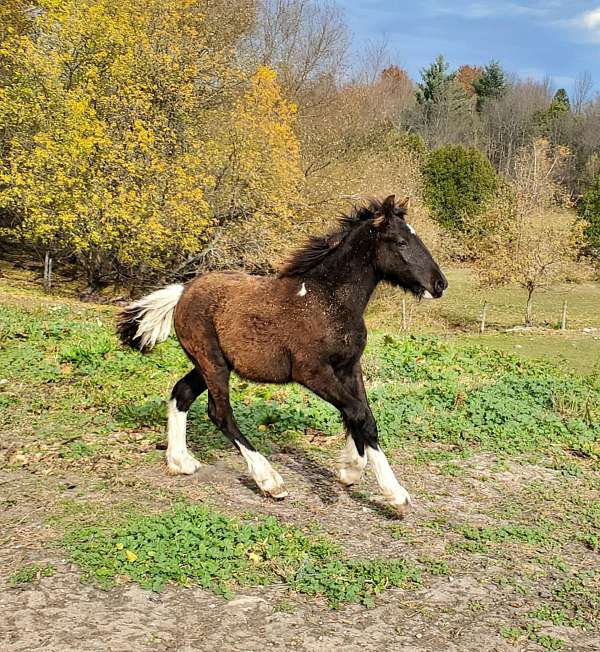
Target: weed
[(531, 632), (28, 574), (284, 606), (476, 606), (435, 566), (192, 545), (452, 470), (535, 535)]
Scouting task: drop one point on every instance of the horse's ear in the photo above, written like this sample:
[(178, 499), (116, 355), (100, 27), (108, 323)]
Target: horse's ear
[(388, 206), (404, 204)]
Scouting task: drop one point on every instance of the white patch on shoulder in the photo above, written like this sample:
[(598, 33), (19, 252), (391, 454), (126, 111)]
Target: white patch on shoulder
[(302, 291), (410, 228)]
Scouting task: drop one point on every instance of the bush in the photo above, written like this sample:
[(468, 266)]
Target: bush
[(459, 184), (589, 212)]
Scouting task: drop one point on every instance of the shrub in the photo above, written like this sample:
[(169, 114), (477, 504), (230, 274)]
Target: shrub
[(459, 184)]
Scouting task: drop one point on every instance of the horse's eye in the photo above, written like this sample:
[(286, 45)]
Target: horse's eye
[(402, 243)]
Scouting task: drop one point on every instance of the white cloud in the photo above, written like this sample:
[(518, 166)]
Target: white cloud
[(587, 25), (591, 19)]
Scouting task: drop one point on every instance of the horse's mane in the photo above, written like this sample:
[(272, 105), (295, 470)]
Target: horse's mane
[(318, 247)]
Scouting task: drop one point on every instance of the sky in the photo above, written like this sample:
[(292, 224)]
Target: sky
[(557, 39)]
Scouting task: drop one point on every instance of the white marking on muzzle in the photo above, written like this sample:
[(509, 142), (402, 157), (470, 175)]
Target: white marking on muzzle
[(302, 291), (427, 295)]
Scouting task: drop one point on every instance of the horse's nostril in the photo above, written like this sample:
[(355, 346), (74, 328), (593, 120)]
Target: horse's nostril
[(440, 285)]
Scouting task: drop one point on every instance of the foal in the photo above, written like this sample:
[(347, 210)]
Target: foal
[(305, 325)]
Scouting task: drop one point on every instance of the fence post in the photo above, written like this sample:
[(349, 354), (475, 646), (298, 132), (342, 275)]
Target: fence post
[(563, 321), (483, 316), (47, 272)]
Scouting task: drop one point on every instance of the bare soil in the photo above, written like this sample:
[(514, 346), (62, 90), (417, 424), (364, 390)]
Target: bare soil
[(464, 609)]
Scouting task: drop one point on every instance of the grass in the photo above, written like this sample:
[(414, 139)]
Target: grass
[(192, 545), (506, 305), (460, 312), (78, 379), (30, 573)]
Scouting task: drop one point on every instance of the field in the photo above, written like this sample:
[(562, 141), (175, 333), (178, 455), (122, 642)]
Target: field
[(100, 549)]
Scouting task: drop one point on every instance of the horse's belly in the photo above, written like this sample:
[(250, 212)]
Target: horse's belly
[(265, 364)]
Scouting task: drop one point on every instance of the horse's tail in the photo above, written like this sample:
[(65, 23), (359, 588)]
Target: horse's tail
[(145, 323)]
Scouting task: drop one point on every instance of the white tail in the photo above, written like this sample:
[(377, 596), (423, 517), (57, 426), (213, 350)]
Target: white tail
[(147, 322)]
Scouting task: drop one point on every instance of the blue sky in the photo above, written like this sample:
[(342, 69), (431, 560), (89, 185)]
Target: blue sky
[(556, 38)]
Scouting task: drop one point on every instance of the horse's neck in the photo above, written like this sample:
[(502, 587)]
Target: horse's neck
[(350, 278)]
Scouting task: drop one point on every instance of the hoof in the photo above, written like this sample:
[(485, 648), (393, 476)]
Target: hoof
[(402, 509), (282, 493), (272, 485), (183, 465)]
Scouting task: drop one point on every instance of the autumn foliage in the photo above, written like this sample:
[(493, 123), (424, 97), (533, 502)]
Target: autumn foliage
[(130, 133)]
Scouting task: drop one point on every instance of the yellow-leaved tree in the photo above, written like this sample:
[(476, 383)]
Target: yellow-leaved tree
[(132, 133)]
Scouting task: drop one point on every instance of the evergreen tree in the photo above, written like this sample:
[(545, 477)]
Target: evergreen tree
[(491, 84), (435, 80), (459, 184), (589, 212), (560, 102)]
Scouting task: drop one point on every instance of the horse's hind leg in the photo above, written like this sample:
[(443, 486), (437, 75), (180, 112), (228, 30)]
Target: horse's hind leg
[(184, 393), (216, 373), (221, 414)]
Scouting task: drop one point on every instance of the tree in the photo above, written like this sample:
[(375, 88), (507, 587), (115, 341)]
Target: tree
[(589, 214), (459, 184), (491, 85), (444, 112), (581, 91), (560, 102), (303, 40), (435, 79), (467, 76), (508, 123), (133, 134), (538, 241)]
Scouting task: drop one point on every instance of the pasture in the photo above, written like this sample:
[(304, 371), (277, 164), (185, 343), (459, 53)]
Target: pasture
[(500, 450)]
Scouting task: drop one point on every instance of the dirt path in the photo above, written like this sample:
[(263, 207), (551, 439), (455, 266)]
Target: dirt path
[(466, 604)]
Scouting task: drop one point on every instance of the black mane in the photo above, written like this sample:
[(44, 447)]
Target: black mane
[(318, 246)]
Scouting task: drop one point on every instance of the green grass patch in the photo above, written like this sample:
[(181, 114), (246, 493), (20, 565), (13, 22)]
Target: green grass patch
[(30, 573), (531, 535), (192, 545), (443, 399)]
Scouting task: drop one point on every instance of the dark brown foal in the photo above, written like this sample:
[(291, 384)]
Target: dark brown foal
[(304, 326)]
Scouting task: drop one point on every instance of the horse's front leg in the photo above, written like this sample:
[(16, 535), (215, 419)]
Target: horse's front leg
[(360, 422), (351, 464)]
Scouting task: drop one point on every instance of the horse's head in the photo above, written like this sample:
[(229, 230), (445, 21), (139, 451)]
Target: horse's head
[(400, 255)]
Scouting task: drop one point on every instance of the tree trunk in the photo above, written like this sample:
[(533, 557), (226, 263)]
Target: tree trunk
[(483, 317), (529, 308)]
